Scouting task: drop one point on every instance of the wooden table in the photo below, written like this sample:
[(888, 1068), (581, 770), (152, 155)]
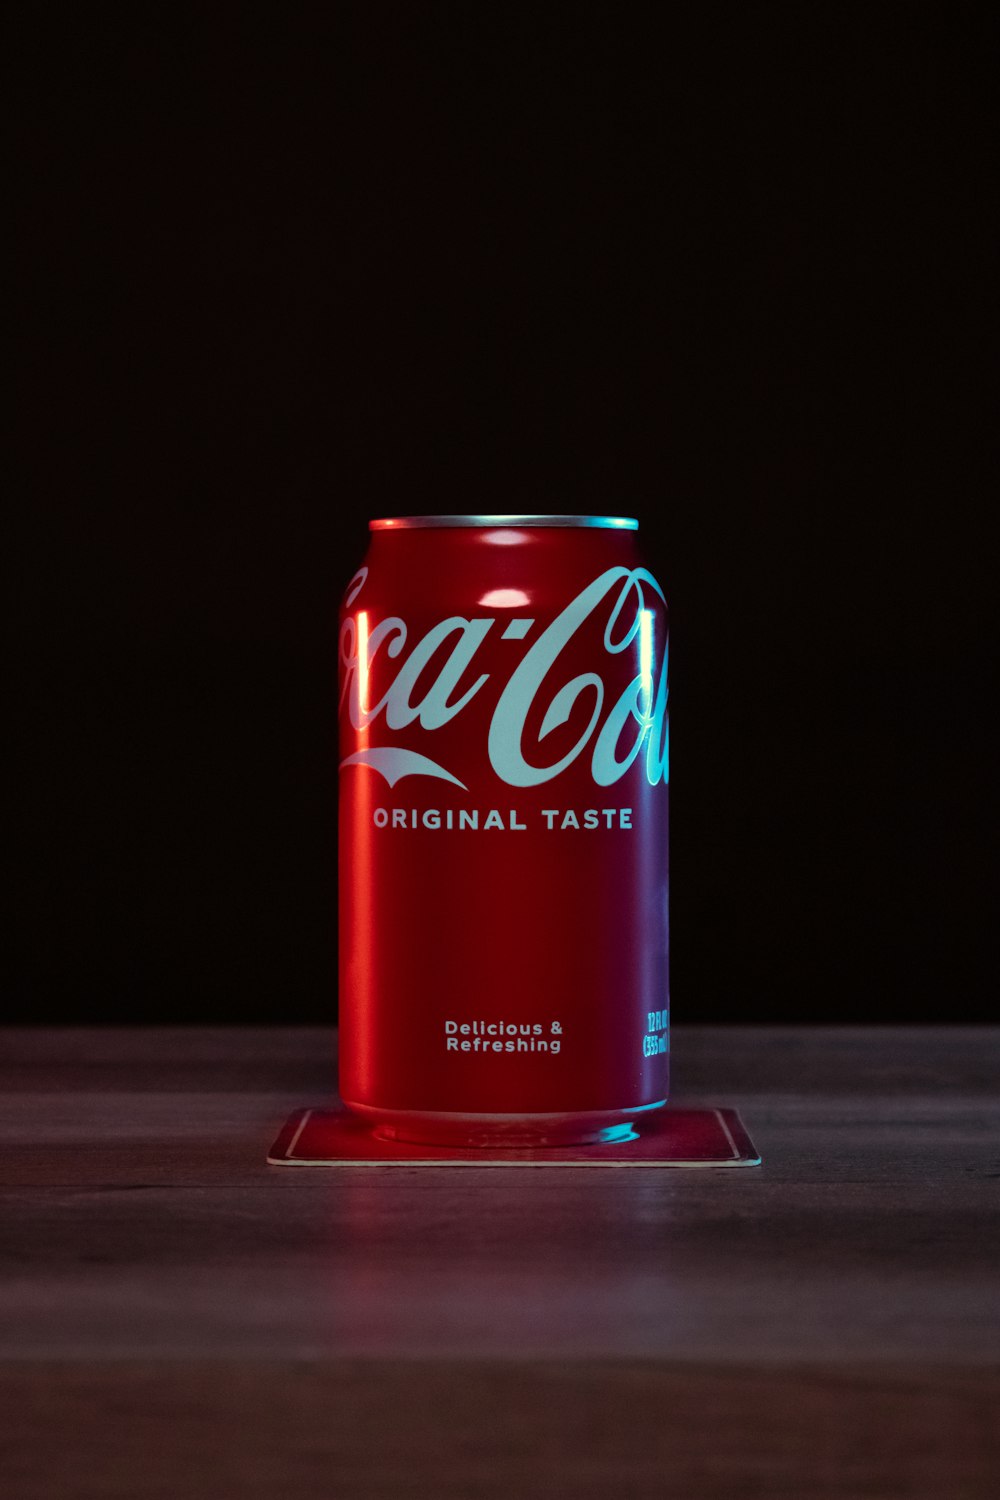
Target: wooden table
[(177, 1319)]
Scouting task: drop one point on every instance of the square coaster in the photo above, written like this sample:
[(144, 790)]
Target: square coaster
[(675, 1138)]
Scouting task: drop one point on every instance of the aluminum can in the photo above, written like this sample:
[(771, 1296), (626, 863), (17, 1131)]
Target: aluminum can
[(503, 852)]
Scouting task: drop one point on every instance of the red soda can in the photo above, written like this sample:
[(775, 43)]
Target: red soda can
[(504, 831)]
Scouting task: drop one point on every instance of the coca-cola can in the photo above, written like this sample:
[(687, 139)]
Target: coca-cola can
[(503, 856)]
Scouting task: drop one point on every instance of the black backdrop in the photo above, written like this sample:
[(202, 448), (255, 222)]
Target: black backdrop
[(284, 268)]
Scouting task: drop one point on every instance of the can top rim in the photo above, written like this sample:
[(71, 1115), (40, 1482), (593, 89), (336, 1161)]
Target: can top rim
[(416, 523)]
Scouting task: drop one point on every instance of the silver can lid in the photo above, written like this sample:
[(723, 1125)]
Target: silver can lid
[(416, 523)]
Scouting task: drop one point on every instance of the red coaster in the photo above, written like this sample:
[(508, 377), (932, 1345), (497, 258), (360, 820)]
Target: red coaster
[(670, 1138)]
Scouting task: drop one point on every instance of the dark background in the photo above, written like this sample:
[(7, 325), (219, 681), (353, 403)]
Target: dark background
[(280, 269)]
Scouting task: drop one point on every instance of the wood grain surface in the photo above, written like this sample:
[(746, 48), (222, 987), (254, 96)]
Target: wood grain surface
[(176, 1318)]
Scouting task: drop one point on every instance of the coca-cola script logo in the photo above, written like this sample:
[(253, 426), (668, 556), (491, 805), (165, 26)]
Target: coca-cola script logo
[(641, 708)]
